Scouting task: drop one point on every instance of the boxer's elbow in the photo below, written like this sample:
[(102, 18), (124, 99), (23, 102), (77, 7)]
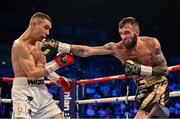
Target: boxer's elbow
[(85, 54), (33, 75), (166, 71), (160, 71)]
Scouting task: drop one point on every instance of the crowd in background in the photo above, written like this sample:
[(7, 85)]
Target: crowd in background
[(115, 88)]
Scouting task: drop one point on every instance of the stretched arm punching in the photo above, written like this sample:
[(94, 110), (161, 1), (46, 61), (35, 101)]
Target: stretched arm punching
[(52, 47), (85, 51)]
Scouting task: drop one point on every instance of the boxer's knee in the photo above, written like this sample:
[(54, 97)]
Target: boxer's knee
[(19, 118), (162, 112)]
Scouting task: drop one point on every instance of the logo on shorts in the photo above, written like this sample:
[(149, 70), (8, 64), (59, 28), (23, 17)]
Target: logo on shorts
[(35, 82)]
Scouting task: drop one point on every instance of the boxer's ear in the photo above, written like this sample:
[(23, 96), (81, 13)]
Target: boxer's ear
[(138, 32), (136, 29)]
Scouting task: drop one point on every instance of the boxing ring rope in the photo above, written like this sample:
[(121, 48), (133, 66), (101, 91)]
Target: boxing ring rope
[(10, 100), (118, 99), (94, 80), (97, 80), (79, 82), (8, 79), (101, 79), (117, 77)]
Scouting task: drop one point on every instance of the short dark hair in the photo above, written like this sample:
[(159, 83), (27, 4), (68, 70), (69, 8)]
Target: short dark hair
[(126, 20), (41, 16)]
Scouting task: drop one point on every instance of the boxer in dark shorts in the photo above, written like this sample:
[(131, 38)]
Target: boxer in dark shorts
[(143, 61)]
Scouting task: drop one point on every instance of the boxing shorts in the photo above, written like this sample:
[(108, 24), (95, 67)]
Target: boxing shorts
[(158, 93), (31, 99)]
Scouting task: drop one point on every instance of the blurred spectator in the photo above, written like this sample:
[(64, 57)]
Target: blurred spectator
[(101, 113), (90, 111)]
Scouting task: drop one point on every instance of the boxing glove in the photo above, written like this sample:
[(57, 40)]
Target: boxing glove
[(51, 47), (133, 68), (61, 60), (65, 83)]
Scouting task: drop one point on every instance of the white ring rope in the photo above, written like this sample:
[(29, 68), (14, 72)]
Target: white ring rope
[(10, 100), (117, 99), (102, 100)]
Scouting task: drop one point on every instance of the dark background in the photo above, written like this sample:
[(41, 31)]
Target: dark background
[(157, 18)]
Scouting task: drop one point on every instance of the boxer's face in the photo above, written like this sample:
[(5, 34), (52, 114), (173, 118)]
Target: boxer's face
[(128, 36), (42, 29)]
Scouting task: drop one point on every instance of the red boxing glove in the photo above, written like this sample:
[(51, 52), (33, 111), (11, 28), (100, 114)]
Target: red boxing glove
[(66, 84), (61, 60), (64, 59)]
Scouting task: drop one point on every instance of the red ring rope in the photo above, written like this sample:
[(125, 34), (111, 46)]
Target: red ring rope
[(8, 79), (95, 80), (101, 79), (117, 77), (174, 68)]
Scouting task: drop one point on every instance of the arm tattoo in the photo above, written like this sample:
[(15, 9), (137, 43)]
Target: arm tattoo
[(77, 51), (108, 46), (84, 51), (160, 64), (160, 71), (159, 59)]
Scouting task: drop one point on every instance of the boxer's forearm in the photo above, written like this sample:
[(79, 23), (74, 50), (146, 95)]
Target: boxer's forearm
[(51, 47), (85, 51), (82, 51), (36, 73)]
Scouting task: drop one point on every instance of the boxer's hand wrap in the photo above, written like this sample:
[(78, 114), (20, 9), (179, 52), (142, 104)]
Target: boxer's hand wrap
[(64, 47), (133, 68), (65, 83), (51, 47), (61, 60)]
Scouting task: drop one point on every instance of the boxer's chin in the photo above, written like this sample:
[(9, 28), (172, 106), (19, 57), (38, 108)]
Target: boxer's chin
[(42, 39), (132, 44)]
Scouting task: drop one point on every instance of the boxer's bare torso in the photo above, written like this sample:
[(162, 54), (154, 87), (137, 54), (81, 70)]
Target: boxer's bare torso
[(31, 56), (141, 53)]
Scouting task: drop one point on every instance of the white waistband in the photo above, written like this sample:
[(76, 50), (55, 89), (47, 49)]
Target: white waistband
[(24, 81)]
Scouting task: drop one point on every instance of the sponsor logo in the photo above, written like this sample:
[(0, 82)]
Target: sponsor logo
[(35, 82), (67, 100)]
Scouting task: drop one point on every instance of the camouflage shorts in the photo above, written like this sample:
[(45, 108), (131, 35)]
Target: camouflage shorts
[(147, 97)]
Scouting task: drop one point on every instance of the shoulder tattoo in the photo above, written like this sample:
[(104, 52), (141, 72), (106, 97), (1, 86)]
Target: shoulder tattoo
[(79, 51)]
